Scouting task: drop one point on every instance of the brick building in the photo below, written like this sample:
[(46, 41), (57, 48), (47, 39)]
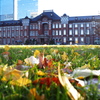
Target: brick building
[(48, 26)]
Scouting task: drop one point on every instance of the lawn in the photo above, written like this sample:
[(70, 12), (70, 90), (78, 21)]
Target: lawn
[(45, 72)]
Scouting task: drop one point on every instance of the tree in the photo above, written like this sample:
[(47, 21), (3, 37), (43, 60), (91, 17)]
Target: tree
[(52, 41), (27, 41), (97, 29)]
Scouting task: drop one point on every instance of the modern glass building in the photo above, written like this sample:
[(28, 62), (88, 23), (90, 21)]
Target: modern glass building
[(27, 8), (6, 10), (17, 9)]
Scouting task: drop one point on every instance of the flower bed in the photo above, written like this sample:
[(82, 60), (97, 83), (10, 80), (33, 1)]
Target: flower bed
[(49, 72)]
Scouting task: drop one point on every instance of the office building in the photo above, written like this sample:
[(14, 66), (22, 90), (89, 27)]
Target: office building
[(27, 8), (17, 9), (6, 10)]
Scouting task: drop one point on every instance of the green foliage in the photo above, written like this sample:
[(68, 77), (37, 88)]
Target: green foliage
[(77, 55)]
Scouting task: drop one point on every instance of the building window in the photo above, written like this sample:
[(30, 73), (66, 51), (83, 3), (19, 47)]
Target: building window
[(12, 33), (82, 40), (36, 26), (12, 41), (4, 41), (45, 26), (70, 25), (87, 25), (87, 40), (4, 34), (64, 39), (8, 41), (60, 32), (17, 33), (8, 34), (56, 32), (25, 33), (31, 33), (56, 25), (76, 40), (0, 34), (12, 28), (53, 32), (21, 33), (87, 31), (53, 25), (93, 24), (31, 27), (70, 32), (82, 25), (25, 27), (34, 33), (76, 25), (64, 25), (64, 32), (46, 32), (82, 32), (76, 32), (59, 25), (70, 39), (21, 27)]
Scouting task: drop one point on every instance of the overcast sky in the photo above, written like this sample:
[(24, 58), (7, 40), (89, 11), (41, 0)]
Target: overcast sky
[(71, 7)]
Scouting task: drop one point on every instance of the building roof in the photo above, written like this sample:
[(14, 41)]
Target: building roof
[(51, 15), (47, 13), (10, 22), (85, 18)]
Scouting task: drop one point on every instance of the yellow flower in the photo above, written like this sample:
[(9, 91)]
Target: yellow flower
[(77, 54), (40, 73), (6, 47), (80, 77), (13, 74), (21, 81), (1, 70), (36, 53), (49, 57), (55, 51), (64, 56), (86, 66)]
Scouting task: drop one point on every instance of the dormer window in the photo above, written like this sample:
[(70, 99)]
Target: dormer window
[(51, 14), (76, 25), (75, 18), (44, 19)]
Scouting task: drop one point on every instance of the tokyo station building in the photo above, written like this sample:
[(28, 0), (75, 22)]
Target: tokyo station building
[(48, 26)]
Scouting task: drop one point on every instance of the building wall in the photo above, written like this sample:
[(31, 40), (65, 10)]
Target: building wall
[(46, 29)]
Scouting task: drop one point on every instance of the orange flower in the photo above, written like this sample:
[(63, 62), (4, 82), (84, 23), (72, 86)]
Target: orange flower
[(19, 62), (34, 93)]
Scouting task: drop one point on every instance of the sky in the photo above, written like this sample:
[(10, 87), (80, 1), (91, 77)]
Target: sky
[(71, 7)]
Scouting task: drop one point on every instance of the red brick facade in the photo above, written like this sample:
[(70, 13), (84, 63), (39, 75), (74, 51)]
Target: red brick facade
[(49, 28)]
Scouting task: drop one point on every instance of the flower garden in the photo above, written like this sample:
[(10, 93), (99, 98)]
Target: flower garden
[(56, 72)]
